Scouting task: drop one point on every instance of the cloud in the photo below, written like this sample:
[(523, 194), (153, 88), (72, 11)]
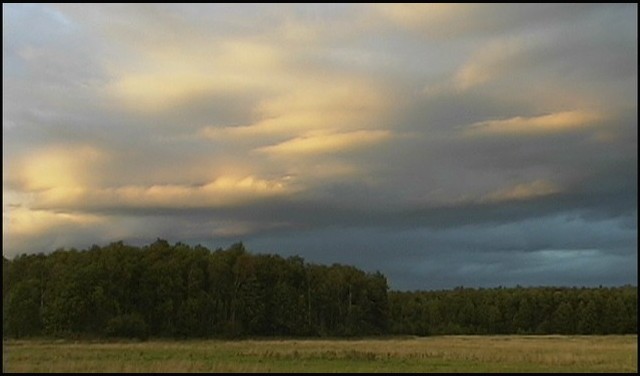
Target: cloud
[(234, 229), (448, 21), (76, 177), (23, 222), (333, 103), (232, 66), (27, 230), (57, 167), (320, 142), (524, 191), (549, 250), (559, 122), (417, 15), (411, 137), (569, 64), (224, 191), (488, 63)]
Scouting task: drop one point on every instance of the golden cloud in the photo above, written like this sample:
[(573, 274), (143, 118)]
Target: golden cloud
[(546, 124), (175, 75), (67, 178), (322, 142), (224, 191), (523, 191), (436, 19), (22, 221), (488, 62), (241, 228), (58, 167), (312, 105)]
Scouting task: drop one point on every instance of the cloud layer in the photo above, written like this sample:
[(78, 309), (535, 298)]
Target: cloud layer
[(444, 145)]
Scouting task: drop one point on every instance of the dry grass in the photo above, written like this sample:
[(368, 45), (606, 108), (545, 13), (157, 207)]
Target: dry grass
[(431, 354)]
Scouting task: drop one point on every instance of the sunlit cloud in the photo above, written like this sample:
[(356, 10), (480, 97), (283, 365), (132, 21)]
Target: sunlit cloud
[(545, 124), (320, 142), (232, 66), (451, 21), (433, 19), (311, 105), (523, 191), (492, 61), (22, 222), (488, 63), (225, 191), (75, 177), (57, 167), (234, 229)]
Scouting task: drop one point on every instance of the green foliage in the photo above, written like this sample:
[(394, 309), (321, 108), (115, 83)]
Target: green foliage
[(164, 290), (538, 310), (22, 310), (127, 326)]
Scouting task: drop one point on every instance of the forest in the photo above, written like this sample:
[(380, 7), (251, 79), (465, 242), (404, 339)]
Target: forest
[(180, 291)]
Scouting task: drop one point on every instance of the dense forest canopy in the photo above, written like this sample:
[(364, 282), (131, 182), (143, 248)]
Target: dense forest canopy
[(164, 290)]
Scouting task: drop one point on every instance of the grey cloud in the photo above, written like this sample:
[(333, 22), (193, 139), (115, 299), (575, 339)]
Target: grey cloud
[(474, 255), (474, 20)]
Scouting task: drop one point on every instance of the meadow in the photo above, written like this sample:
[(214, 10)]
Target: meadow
[(410, 354)]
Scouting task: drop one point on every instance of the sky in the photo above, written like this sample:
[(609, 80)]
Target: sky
[(444, 145)]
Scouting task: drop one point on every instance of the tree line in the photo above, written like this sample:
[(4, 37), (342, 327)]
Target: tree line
[(533, 310), (180, 291), (165, 290)]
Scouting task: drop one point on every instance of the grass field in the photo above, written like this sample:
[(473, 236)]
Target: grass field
[(430, 354)]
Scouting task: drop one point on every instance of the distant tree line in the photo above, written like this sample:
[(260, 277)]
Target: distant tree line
[(533, 310), (180, 291)]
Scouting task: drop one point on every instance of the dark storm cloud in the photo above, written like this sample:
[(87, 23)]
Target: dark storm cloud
[(554, 250)]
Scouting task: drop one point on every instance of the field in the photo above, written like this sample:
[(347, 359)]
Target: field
[(429, 354)]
